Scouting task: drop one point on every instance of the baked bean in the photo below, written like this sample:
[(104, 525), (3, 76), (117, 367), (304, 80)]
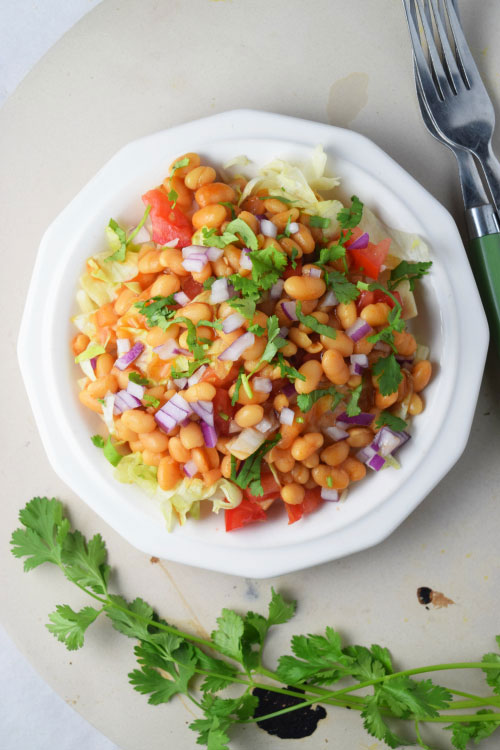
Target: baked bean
[(249, 415), (256, 350), (215, 192), (376, 314), (213, 457), (283, 460), (272, 206), (136, 446), (300, 338), (209, 216), (342, 343), (90, 402), (169, 473), (293, 494), (138, 421), (184, 197), (104, 365), (171, 258), (304, 287), (101, 386), (305, 446), (79, 343), (225, 467), (150, 263), (405, 343), (177, 450), (354, 381), (157, 336), (251, 220), (421, 373), (105, 315), (199, 456), (198, 177), (312, 461), (165, 284), (289, 246), (288, 434), (355, 469), (123, 432), (289, 349), (258, 397), (200, 392), (282, 218), (330, 478), (304, 239), (124, 301), (156, 441), (347, 314), (313, 373), (359, 437), (212, 476), (363, 346), (300, 473), (221, 267), (336, 453), (280, 402), (193, 162), (383, 402), (191, 436), (233, 256), (334, 367), (416, 405), (195, 312), (152, 459)]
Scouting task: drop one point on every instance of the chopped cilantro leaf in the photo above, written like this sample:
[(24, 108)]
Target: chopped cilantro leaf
[(277, 198), (388, 374), (114, 229), (257, 329), (331, 253), (191, 368), (134, 377), (241, 380), (172, 195), (246, 286), (108, 449), (274, 342), (299, 420), (210, 238), (311, 322), (217, 324), (207, 284), (224, 416), (250, 468), (319, 221), (329, 482), (102, 401), (287, 371), (394, 423), (245, 307), (230, 206), (394, 320), (352, 407), (349, 217), (242, 228), (293, 262), (152, 401), (267, 265), (156, 310), (407, 271), (344, 290), (179, 164), (306, 401)]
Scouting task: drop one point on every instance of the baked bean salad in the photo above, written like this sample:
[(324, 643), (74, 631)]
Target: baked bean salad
[(246, 343)]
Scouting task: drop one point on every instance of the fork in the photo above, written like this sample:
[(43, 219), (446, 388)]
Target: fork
[(457, 111)]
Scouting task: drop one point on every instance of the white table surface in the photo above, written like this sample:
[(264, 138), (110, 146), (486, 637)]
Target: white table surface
[(341, 62)]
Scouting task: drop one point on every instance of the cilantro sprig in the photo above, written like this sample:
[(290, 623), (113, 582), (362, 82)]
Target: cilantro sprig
[(117, 235), (306, 401), (108, 449), (249, 474), (350, 216), (172, 662), (311, 322), (408, 271)]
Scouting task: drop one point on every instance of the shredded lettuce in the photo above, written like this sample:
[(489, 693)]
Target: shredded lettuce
[(93, 350), (182, 500)]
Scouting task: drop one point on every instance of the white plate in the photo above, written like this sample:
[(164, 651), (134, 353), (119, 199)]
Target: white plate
[(451, 313)]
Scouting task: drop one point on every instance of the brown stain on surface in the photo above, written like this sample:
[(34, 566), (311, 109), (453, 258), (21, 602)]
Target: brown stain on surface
[(347, 98), (197, 624), (426, 596)]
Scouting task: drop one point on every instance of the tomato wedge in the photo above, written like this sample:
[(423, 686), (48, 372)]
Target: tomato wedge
[(371, 298), (191, 287), (222, 403), (312, 499), (368, 260), (246, 512), (169, 223), (290, 271)]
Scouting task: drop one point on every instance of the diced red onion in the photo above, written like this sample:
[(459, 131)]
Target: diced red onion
[(277, 289), (284, 331), (126, 359), (214, 253), (236, 349), (331, 496), (234, 427), (358, 363), (371, 458), (173, 410), (293, 227), (268, 228), (329, 300), (167, 350), (190, 469), (135, 389), (363, 419), (376, 463), (358, 330), (288, 308), (355, 369), (125, 401), (232, 322), (265, 424), (387, 441), (180, 402), (260, 217), (196, 376), (245, 260), (360, 243), (404, 361), (93, 363), (193, 250), (200, 408), (181, 383), (209, 435), (182, 299), (195, 263), (336, 433), (219, 292), (314, 272), (381, 346), (165, 421), (262, 385), (185, 422), (286, 416)]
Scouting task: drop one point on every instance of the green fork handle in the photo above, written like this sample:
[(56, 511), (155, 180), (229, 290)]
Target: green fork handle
[(485, 261)]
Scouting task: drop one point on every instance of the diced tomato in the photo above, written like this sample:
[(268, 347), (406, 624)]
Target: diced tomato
[(191, 287), (227, 378), (222, 403), (169, 223), (312, 499), (371, 298), (290, 271), (246, 512), (369, 259), (269, 485)]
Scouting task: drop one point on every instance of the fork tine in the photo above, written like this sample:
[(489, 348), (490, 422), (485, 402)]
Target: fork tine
[(464, 54), (449, 60), (439, 72), (429, 90)]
